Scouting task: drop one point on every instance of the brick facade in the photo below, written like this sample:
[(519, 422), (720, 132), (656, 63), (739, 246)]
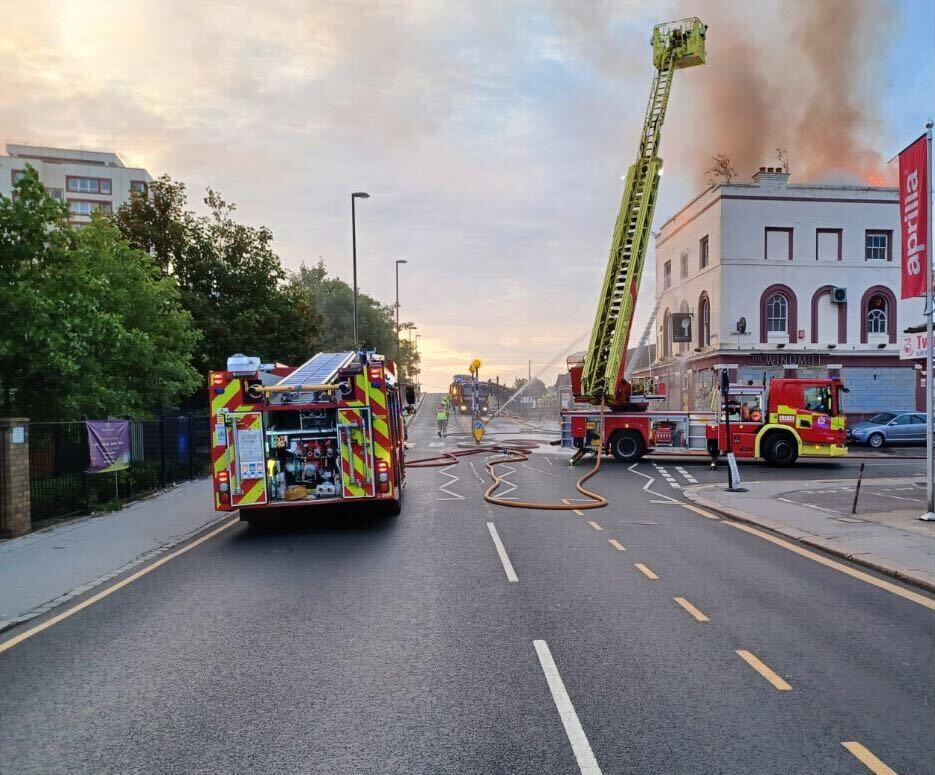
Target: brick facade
[(14, 477)]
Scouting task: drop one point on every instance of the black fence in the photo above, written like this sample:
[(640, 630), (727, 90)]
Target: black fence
[(4, 478), (162, 452)]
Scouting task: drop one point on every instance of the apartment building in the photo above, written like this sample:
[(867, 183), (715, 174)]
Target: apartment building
[(87, 180), (774, 278)]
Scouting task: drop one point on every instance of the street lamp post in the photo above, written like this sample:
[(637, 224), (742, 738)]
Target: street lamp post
[(398, 262), (355, 195)]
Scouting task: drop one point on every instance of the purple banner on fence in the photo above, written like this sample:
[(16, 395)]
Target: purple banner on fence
[(109, 442)]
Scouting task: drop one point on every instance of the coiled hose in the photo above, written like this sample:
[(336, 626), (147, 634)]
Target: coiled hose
[(517, 451)]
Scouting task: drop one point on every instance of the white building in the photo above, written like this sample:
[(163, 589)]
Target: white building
[(776, 276), (87, 180)]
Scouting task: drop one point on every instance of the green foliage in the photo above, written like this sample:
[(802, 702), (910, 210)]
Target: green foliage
[(89, 326), (230, 279)]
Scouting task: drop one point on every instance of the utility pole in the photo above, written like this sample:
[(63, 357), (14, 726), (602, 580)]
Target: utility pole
[(355, 195), (398, 262)]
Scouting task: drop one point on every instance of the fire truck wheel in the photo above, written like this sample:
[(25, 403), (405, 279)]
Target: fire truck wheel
[(780, 449), (627, 446)]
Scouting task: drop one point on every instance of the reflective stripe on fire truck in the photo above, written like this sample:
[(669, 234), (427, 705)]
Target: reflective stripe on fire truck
[(356, 474), (365, 394)]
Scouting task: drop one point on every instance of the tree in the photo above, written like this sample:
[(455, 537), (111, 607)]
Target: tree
[(721, 170), (90, 326), (230, 279)]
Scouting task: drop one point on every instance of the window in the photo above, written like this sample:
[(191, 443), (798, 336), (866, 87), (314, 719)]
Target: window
[(905, 419), (828, 244), (87, 185), (704, 321), (877, 308), (777, 243), (703, 252), (138, 187), (667, 275), (878, 245), (666, 334), (17, 176), (683, 259), (84, 207), (56, 193), (818, 399), (777, 314)]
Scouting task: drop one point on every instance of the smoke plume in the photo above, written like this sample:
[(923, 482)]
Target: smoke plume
[(805, 76)]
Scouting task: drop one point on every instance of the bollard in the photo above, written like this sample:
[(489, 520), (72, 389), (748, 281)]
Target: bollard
[(860, 477)]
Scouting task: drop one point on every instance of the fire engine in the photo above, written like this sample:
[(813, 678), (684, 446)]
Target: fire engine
[(330, 431), (779, 422)]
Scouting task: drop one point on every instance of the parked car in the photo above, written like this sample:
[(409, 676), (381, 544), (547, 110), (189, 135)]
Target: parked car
[(888, 428)]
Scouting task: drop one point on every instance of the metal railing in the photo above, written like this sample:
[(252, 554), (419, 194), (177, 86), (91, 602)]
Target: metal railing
[(162, 451)]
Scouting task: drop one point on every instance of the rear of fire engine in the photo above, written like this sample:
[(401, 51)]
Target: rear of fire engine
[(328, 432)]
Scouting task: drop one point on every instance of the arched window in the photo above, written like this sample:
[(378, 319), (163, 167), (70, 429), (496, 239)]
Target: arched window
[(704, 321), (683, 308), (878, 314), (666, 334), (877, 308), (777, 314)]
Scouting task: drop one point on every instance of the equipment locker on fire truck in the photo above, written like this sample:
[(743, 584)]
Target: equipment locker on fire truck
[(329, 431)]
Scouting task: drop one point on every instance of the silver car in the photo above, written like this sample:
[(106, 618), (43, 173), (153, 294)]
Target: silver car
[(889, 428)]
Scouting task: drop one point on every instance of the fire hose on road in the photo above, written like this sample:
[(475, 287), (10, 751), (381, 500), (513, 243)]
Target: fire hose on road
[(516, 451)]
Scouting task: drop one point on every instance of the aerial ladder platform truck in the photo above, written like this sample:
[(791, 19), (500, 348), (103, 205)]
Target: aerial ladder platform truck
[(778, 422)]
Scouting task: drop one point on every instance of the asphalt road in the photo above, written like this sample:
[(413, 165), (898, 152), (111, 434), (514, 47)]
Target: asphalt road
[(400, 645)]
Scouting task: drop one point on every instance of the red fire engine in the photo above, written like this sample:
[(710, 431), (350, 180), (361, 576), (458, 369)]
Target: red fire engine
[(330, 431)]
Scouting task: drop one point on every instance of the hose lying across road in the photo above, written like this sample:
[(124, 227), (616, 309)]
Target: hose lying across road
[(515, 451)]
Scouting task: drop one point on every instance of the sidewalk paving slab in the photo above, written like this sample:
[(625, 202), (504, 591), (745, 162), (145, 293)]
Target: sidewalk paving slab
[(44, 569), (892, 542)]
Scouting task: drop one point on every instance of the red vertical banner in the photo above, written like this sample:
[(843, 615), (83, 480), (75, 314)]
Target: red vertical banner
[(913, 217)]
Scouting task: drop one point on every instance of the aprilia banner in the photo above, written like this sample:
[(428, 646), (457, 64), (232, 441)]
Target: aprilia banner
[(109, 442), (913, 217)]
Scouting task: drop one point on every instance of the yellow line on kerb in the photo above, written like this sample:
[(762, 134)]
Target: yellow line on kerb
[(703, 513), (7, 645), (616, 544), (764, 671), (915, 597), (865, 757), (691, 609), (644, 569)]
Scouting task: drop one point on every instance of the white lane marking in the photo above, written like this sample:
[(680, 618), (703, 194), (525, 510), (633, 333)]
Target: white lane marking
[(444, 487), (649, 484), (807, 505), (587, 764), (509, 472), (897, 497), (476, 475), (687, 475), (436, 443), (539, 470), (549, 461), (501, 552)]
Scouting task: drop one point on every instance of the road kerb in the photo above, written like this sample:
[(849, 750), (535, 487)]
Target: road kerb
[(797, 536)]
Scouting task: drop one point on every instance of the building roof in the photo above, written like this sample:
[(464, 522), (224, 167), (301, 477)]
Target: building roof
[(64, 155)]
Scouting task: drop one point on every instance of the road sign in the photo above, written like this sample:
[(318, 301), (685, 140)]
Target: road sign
[(734, 470), (479, 429)]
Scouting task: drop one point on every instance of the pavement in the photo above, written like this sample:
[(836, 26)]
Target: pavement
[(462, 637), (884, 534), (46, 568)]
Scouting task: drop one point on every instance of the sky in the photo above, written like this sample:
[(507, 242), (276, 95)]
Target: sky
[(492, 135)]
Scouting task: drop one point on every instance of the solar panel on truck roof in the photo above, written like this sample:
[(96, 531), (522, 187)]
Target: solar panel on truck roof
[(320, 370)]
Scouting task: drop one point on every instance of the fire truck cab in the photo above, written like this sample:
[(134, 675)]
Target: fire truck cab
[(790, 418), (330, 431)]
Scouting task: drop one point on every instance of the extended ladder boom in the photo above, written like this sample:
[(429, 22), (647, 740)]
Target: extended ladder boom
[(675, 45)]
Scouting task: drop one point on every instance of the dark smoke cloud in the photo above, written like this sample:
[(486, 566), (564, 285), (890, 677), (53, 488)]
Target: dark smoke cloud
[(805, 75)]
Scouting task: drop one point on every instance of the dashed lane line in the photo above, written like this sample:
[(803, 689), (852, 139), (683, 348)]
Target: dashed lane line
[(594, 524), (501, 553), (616, 544), (644, 569), (687, 475), (915, 597), (691, 609), (866, 757), (764, 670), (17, 639), (580, 746)]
